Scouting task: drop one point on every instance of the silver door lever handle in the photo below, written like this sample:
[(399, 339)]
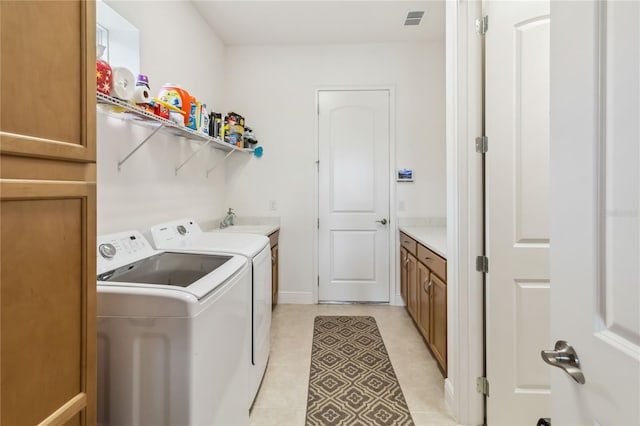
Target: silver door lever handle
[(566, 358), (383, 221)]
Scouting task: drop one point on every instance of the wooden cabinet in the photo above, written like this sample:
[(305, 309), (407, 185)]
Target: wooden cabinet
[(274, 268), (424, 289), (48, 213)]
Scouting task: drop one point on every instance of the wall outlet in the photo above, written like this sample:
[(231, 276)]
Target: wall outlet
[(401, 205), (273, 205)]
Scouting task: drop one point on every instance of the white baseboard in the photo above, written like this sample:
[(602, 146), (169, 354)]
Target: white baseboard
[(449, 397), (296, 297), (397, 301)]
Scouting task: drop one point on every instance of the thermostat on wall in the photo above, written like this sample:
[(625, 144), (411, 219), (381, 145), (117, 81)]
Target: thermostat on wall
[(405, 175)]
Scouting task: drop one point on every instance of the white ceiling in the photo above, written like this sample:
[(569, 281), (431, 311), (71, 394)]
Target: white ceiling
[(310, 22)]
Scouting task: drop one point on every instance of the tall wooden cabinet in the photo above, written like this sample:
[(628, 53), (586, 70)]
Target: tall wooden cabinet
[(47, 213)]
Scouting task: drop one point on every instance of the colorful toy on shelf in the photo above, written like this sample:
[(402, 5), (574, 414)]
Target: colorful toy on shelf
[(104, 74)]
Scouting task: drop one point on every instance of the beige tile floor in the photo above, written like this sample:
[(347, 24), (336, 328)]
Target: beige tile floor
[(282, 399)]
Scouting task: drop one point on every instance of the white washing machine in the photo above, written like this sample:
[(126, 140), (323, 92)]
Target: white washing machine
[(186, 235), (173, 331)]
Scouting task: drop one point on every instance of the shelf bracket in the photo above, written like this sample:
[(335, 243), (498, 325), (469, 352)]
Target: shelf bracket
[(221, 161), (191, 156), (124, 160)]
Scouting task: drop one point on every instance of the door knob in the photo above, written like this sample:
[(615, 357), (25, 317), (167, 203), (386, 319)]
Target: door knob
[(566, 358), (383, 221)]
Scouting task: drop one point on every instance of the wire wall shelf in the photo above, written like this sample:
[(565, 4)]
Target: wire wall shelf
[(129, 112)]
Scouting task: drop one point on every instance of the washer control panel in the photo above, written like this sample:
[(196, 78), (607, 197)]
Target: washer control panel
[(171, 232), (115, 250)]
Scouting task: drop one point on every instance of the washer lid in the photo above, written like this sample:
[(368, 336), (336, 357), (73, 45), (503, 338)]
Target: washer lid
[(194, 273)]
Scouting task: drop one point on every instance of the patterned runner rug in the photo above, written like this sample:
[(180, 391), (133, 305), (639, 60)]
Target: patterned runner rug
[(352, 382)]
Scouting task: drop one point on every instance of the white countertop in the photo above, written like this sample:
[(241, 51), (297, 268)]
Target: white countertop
[(432, 237), (250, 229)]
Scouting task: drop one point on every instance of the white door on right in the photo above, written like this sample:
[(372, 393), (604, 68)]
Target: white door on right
[(517, 117), (595, 202)]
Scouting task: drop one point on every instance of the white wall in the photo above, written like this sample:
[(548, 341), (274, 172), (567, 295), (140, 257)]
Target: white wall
[(274, 87), (146, 191)]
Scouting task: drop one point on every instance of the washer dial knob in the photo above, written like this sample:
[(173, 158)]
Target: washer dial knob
[(181, 230), (108, 251)]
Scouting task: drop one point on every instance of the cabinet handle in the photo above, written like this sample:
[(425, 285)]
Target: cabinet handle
[(424, 283), (406, 261), (428, 259), (273, 259), (428, 289)]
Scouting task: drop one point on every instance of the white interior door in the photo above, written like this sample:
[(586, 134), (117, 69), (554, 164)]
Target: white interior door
[(517, 117), (354, 196), (595, 200)]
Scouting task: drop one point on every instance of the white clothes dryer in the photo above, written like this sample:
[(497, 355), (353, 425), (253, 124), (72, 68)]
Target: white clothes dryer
[(173, 331), (187, 236)]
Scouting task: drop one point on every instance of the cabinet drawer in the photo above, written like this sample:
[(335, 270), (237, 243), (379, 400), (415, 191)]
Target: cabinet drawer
[(273, 238), (408, 243), (432, 261)]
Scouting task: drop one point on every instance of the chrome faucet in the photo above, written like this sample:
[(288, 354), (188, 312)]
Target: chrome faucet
[(228, 219)]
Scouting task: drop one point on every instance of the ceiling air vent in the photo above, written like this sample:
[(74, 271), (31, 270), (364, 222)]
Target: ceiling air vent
[(414, 17)]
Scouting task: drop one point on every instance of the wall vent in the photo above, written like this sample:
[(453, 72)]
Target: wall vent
[(414, 17)]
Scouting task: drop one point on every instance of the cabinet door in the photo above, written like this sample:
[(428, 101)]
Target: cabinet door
[(48, 81), (274, 275), (403, 274), (47, 302), (412, 286), (424, 301), (438, 341)]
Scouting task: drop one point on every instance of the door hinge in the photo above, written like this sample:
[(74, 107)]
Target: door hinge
[(318, 223), (482, 25), (482, 264), (318, 280), (482, 144), (482, 385)]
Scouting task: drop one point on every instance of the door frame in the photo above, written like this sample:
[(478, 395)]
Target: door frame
[(464, 212), (394, 250)]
